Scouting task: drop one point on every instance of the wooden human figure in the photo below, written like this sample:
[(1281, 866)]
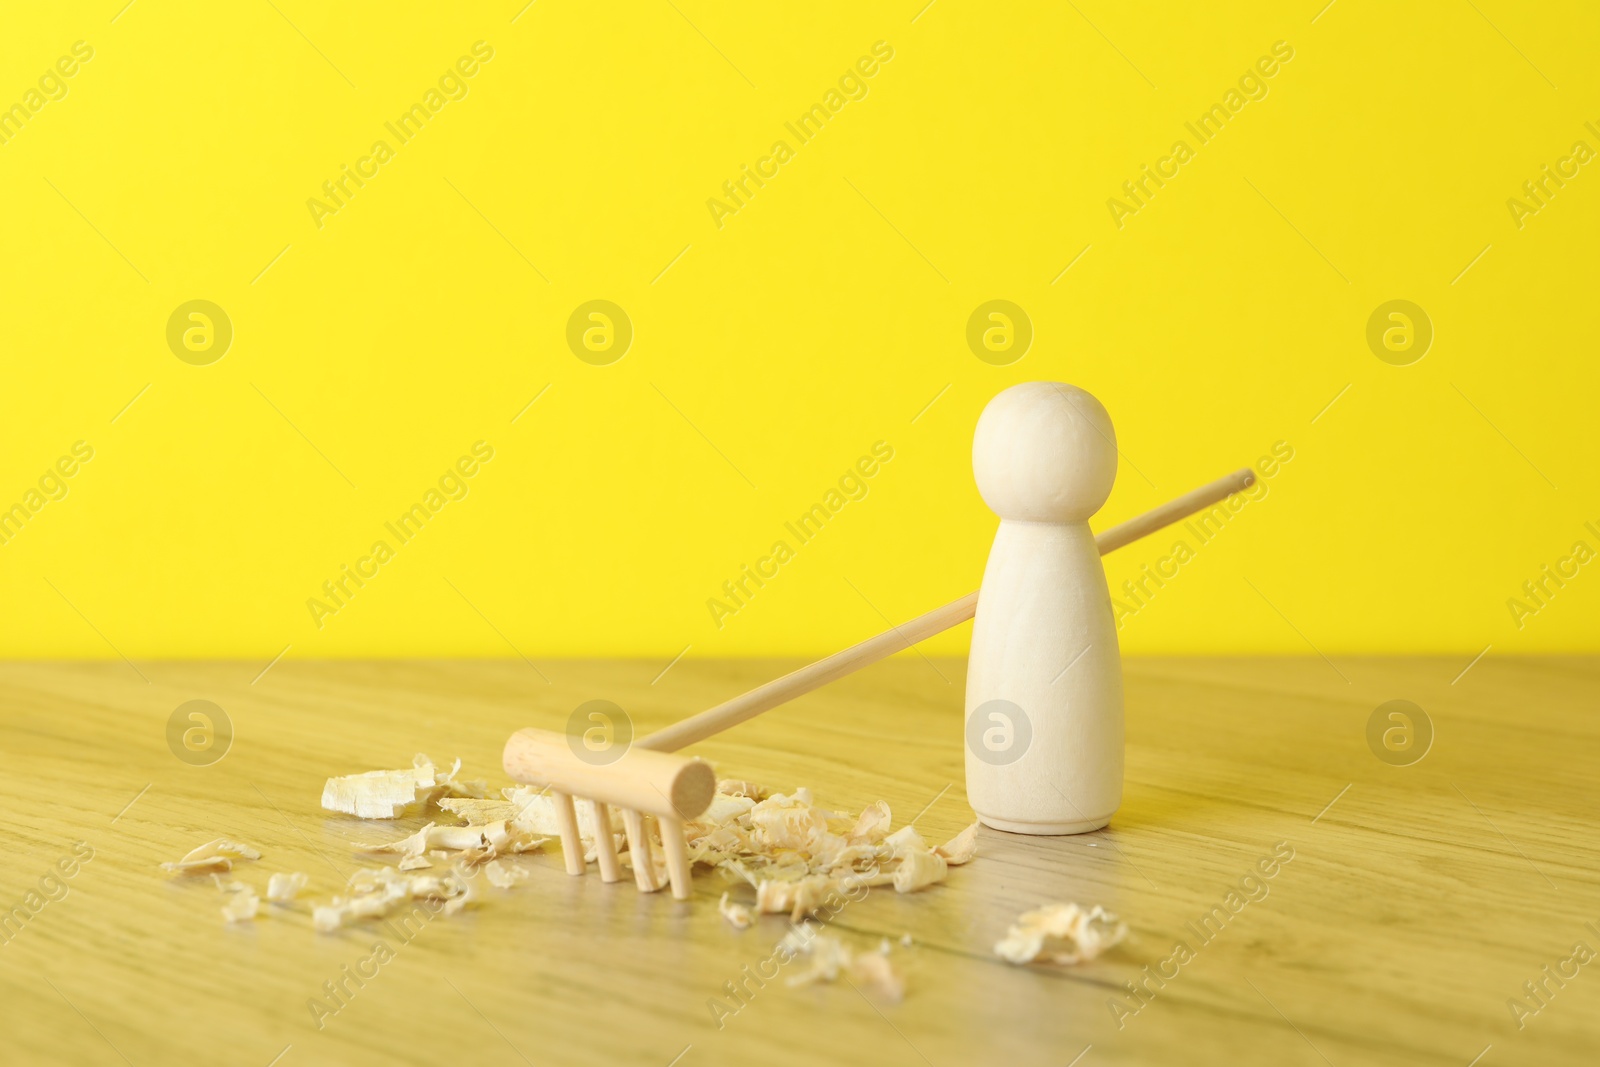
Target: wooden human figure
[(1044, 678)]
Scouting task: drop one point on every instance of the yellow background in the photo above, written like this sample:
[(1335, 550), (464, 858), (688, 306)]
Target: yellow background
[(823, 317)]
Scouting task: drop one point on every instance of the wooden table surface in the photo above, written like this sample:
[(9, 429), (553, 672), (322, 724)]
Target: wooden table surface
[(1418, 901)]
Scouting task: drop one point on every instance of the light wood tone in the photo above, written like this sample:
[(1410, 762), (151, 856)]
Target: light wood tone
[(605, 845), (536, 756), (1044, 674), (658, 783), (1414, 907), (638, 781), (567, 824), (677, 853), (813, 676), (639, 853)]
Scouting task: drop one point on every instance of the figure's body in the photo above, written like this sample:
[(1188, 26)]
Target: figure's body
[(1044, 678)]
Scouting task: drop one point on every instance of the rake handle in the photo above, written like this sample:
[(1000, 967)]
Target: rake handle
[(896, 639)]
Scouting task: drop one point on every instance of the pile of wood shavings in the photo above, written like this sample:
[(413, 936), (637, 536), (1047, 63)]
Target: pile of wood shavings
[(793, 854), (470, 852), (379, 892)]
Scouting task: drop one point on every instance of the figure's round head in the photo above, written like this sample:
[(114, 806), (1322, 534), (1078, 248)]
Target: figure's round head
[(1044, 452)]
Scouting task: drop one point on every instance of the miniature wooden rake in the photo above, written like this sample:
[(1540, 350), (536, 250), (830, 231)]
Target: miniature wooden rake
[(648, 781)]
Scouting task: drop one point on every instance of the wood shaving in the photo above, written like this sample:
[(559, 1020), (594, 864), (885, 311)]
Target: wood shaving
[(379, 794), (872, 825), (379, 892), (213, 856), (734, 788), (386, 794), (410, 845), (798, 899), (873, 969), (725, 808), (737, 914), (906, 839), (532, 813), (1061, 933), (283, 887), (918, 870), (476, 843), (477, 812), (242, 905), (828, 957), (502, 877), (869, 880), (960, 848), (451, 785)]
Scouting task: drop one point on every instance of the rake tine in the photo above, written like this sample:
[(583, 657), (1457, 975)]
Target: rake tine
[(567, 823), (676, 846), (644, 871), (605, 845)]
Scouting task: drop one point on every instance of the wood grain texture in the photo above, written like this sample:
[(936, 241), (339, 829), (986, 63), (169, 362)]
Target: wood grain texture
[(1418, 900)]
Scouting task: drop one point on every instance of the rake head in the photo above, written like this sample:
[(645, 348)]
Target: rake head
[(641, 783)]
